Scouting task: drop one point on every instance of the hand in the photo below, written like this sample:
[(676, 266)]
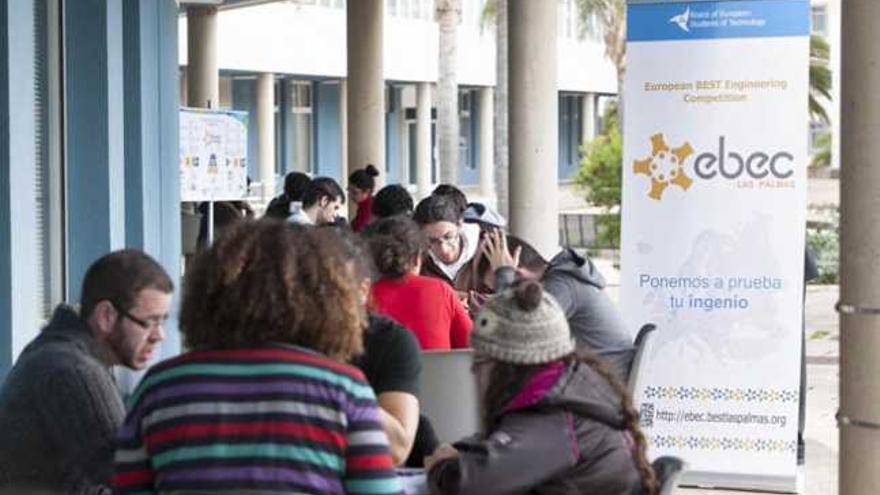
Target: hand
[(475, 300), (463, 298), (494, 248), (443, 452)]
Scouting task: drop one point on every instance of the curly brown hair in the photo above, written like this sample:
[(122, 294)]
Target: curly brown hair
[(271, 281), (506, 380)]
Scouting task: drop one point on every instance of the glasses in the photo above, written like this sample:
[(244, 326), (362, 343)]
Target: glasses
[(448, 239), (150, 324)]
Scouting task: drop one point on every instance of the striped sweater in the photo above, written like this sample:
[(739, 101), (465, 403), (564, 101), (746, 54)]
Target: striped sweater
[(278, 419)]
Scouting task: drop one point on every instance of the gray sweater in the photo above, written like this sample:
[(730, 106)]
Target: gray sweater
[(59, 413)]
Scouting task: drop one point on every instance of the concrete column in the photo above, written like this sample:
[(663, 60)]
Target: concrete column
[(343, 131), (423, 138), (860, 250), (487, 158), (266, 133), (588, 117), (366, 85), (203, 76), (533, 123)]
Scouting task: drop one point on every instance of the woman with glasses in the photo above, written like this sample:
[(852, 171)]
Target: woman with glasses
[(425, 305)]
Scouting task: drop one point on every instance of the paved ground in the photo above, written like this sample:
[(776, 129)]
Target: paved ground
[(820, 471)]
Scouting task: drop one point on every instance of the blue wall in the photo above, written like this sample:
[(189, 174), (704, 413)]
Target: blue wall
[(327, 130), (393, 136), (244, 98), (95, 123), (152, 199), (469, 160)]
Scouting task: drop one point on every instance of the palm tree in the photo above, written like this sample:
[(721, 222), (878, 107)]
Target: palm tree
[(448, 15), (820, 77), (495, 13), (608, 19)]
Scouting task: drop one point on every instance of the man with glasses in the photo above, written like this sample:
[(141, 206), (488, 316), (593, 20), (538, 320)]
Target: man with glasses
[(60, 410)]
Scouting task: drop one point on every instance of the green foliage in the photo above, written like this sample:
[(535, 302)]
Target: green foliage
[(822, 156), (824, 239), (600, 177), (820, 77)]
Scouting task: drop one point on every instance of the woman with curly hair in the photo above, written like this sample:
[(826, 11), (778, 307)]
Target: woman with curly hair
[(554, 421), (425, 305), (263, 402)]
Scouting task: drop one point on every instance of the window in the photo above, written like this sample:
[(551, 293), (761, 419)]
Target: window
[(467, 152), (819, 20), (298, 145), (392, 8), (818, 131)]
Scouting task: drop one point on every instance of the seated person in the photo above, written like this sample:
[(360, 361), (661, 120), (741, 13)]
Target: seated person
[(392, 200), (391, 361), (360, 188), (290, 200), (264, 401), (575, 283), (425, 305), (554, 421), (452, 244), (60, 409)]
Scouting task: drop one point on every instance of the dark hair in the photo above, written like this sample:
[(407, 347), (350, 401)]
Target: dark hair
[(364, 178), (322, 187), (395, 242), (453, 193), (271, 281), (435, 209), (119, 277), (353, 249), (506, 380), (392, 200), (295, 185)]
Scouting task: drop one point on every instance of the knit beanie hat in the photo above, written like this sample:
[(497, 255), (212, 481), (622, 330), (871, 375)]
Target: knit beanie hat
[(523, 325)]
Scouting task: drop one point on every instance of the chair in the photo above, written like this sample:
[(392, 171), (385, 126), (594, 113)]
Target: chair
[(667, 469), (449, 395), (644, 341)]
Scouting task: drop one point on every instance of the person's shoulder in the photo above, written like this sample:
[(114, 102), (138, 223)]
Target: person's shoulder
[(391, 335)]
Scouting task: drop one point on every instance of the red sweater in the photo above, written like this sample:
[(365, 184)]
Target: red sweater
[(364, 214), (428, 307)]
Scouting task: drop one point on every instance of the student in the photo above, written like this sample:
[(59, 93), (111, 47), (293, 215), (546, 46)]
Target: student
[(391, 360), (574, 282), (554, 421), (263, 402), (321, 202), (425, 305), (295, 184), (360, 189), (59, 407), (392, 200)]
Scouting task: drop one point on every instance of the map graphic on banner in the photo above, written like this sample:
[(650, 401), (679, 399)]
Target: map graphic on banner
[(714, 205), (213, 155)]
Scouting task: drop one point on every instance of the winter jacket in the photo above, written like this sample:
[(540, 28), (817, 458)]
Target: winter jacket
[(60, 411), (562, 434), (578, 287)]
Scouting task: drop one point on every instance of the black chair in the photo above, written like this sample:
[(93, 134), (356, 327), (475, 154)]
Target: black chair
[(641, 344), (667, 469)]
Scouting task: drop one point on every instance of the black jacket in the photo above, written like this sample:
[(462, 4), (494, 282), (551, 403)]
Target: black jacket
[(570, 439)]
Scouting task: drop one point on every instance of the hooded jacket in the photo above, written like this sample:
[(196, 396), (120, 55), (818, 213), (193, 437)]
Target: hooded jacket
[(579, 288), (562, 434)]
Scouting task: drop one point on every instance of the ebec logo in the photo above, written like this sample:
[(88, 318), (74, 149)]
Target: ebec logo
[(759, 169), (664, 166)]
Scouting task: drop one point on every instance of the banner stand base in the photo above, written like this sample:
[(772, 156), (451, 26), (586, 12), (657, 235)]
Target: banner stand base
[(767, 484)]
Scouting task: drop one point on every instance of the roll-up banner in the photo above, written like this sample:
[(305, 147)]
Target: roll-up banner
[(714, 205)]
